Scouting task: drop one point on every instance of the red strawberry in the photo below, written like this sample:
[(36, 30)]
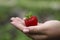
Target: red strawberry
[(31, 21)]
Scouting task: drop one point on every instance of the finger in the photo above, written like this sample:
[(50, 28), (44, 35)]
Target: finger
[(13, 18), (24, 18), (36, 29), (30, 29), (38, 37), (18, 25), (16, 20), (19, 19)]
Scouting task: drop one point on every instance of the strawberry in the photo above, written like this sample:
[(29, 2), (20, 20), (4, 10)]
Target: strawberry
[(31, 21)]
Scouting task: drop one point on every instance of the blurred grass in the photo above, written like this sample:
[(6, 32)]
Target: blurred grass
[(9, 32), (38, 5)]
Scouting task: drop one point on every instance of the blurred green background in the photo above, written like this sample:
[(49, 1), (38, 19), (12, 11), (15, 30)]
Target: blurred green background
[(43, 9)]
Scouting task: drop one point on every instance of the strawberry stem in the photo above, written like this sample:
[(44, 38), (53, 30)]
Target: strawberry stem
[(28, 15)]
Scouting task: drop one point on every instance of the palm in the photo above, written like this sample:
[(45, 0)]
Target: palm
[(19, 23)]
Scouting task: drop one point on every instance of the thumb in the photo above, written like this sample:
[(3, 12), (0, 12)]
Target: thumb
[(32, 29), (35, 29)]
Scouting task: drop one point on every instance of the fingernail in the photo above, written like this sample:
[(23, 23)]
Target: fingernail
[(12, 22), (24, 18), (12, 18), (26, 30)]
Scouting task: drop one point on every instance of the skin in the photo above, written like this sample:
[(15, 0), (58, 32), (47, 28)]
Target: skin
[(42, 31)]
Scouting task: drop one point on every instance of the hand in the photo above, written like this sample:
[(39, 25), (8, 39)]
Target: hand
[(41, 31), (19, 23)]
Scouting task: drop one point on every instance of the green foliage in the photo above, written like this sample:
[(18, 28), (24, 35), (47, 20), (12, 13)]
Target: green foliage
[(9, 32), (36, 5), (4, 10)]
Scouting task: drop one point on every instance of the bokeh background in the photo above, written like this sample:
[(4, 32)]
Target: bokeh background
[(43, 9)]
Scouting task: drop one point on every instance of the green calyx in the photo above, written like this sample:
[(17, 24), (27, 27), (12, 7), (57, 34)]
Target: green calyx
[(28, 15)]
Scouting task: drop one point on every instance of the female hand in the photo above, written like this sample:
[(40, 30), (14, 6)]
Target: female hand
[(41, 31)]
